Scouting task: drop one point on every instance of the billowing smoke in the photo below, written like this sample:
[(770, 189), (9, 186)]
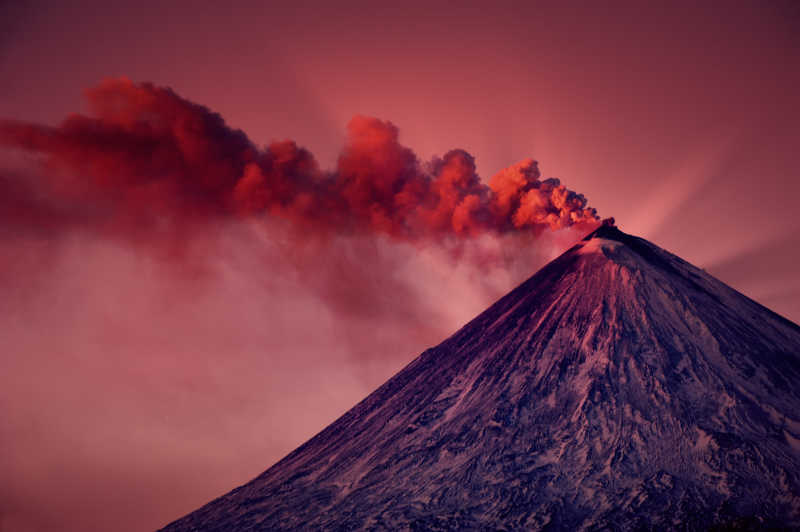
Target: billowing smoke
[(180, 308), (147, 157)]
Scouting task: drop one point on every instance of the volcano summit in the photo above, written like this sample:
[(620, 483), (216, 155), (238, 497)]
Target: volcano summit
[(618, 388)]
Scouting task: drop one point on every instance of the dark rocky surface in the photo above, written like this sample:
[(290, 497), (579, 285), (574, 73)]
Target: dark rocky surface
[(619, 388)]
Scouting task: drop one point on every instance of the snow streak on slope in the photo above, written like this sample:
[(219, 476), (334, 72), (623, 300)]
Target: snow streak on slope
[(618, 388)]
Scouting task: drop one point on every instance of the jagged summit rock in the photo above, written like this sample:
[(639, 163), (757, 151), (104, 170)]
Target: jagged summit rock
[(619, 388)]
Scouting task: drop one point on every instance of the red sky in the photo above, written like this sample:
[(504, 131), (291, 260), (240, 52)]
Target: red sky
[(140, 379)]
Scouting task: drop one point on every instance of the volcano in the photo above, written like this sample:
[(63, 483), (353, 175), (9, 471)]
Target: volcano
[(618, 388)]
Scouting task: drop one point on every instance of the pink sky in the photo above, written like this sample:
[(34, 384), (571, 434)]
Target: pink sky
[(136, 388)]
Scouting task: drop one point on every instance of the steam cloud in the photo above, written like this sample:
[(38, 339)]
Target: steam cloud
[(149, 157)]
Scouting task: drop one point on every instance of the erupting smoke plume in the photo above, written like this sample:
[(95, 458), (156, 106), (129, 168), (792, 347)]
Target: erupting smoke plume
[(148, 157), (295, 292)]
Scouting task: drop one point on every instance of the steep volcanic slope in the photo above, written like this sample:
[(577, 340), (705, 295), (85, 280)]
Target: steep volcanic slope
[(618, 388)]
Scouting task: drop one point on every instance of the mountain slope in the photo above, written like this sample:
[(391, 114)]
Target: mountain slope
[(618, 388)]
